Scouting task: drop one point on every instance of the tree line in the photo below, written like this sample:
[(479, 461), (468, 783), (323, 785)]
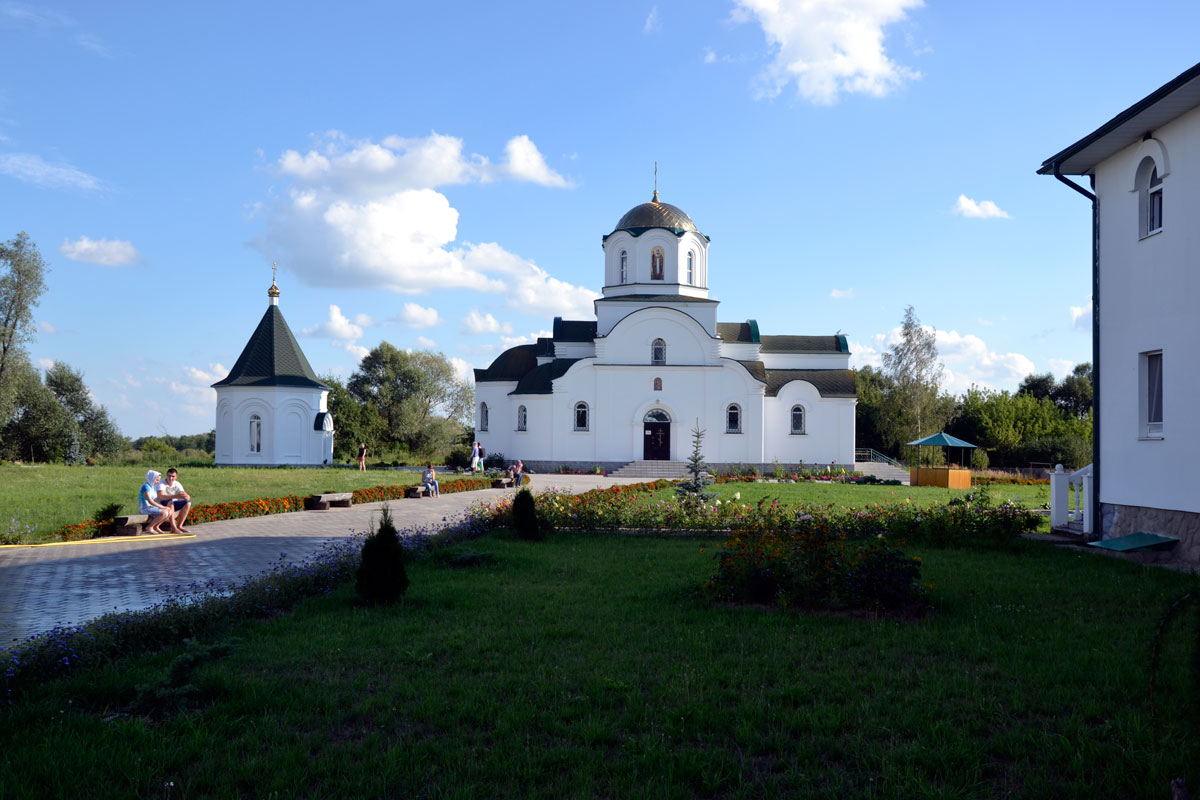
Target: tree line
[(1044, 421), (50, 418), (411, 400)]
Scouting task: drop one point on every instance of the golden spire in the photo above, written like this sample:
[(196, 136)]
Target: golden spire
[(274, 290), (655, 200)]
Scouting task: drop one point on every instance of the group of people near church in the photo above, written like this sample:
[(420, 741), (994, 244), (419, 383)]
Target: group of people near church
[(165, 502)]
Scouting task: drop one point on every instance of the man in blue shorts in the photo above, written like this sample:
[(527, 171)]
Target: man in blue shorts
[(171, 494)]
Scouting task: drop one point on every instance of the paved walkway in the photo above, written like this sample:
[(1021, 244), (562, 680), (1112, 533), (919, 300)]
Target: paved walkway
[(43, 587)]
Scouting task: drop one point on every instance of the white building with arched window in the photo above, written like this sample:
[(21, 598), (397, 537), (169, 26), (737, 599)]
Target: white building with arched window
[(631, 385), (271, 409)]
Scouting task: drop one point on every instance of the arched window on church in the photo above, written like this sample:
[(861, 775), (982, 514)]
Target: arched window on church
[(255, 433), (691, 268), (483, 417), (624, 266), (521, 418), (658, 384), (658, 352), (581, 416), (656, 264), (797, 420), (733, 418)]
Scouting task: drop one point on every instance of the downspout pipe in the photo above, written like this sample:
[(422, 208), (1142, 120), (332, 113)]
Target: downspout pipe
[(1094, 500)]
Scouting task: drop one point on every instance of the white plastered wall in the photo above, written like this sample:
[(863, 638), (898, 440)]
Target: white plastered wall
[(1150, 292)]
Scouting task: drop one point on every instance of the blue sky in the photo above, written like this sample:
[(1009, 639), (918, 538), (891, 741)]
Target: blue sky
[(440, 177)]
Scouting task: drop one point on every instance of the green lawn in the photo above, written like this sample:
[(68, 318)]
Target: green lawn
[(50, 496), (588, 666)]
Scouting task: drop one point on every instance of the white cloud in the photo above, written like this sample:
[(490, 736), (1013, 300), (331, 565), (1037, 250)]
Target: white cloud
[(1081, 317), (966, 360), (987, 323), (1061, 367), (842, 294), (710, 57), (463, 370), (653, 24), (413, 315), (525, 163), (364, 214), (530, 288), (476, 323), (33, 169), (336, 327), (828, 47), (46, 327), (358, 351), (45, 363), (985, 209), (109, 253), (194, 388), (425, 343)]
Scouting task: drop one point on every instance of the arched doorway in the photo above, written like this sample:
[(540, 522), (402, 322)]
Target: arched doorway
[(656, 436)]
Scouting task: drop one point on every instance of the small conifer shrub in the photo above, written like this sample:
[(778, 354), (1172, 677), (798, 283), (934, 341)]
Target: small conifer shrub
[(381, 578), (694, 490), (524, 514)]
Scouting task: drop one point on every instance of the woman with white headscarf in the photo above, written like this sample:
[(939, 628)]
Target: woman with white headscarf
[(149, 505)]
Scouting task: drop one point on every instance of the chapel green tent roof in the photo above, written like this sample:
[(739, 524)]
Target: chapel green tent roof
[(943, 440), (272, 358)]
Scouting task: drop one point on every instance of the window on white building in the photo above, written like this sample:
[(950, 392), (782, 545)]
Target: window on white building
[(797, 419), (521, 418), (658, 352), (483, 417), (255, 433), (1151, 401), (624, 266), (691, 267), (733, 418), (581, 416), (1150, 198)]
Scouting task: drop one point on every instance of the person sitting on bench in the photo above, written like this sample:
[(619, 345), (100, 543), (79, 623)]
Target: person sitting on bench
[(429, 481), (515, 472)]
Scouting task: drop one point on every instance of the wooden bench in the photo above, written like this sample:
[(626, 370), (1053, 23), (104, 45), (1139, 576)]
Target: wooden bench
[(322, 502), (420, 490), (502, 483), (130, 525)]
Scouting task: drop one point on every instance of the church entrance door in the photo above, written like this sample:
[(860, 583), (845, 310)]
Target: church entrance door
[(656, 436)]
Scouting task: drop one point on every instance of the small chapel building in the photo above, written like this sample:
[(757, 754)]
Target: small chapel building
[(656, 362), (271, 409)]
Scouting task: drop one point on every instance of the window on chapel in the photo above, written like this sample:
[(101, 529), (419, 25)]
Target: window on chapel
[(255, 433), (521, 418), (658, 352), (733, 418), (483, 417), (624, 266), (691, 269), (797, 419), (581, 416)]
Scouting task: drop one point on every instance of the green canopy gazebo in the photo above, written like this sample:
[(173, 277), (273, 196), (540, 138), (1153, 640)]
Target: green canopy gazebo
[(948, 476)]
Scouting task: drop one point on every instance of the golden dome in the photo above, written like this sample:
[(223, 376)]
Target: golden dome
[(655, 215)]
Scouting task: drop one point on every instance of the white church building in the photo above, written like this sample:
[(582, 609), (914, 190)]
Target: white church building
[(656, 362), (271, 409)]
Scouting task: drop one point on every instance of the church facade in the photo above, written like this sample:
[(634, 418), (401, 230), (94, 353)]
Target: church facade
[(656, 363), (271, 409)]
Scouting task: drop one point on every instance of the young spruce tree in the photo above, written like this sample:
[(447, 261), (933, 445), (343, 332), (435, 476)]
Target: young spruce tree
[(692, 491)]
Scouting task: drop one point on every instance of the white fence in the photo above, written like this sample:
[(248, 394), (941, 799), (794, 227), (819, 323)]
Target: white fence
[(1067, 506)]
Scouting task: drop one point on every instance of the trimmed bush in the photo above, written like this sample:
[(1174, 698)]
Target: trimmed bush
[(381, 578), (524, 515)]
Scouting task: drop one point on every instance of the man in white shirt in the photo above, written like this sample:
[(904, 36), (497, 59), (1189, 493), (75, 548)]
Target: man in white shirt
[(171, 492)]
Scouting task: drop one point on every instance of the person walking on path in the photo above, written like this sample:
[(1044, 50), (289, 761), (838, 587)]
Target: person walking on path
[(171, 493), (362, 456), (475, 465), (149, 505)]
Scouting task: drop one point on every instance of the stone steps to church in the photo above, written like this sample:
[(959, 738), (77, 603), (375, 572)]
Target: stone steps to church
[(652, 470), (885, 472)]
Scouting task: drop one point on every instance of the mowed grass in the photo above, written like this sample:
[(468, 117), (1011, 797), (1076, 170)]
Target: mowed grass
[(50, 496), (588, 666)]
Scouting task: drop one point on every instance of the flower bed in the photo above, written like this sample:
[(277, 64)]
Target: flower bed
[(262, 506)]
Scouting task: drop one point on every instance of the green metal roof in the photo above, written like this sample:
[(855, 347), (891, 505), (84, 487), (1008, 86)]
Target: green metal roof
[(540, 379), (739, 331), (943, 440), (272, 357), (828, 382), (574, 330), (510, 365), (805, 344)]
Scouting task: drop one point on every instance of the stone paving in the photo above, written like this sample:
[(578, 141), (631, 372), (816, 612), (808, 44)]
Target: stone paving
[(44, 587)]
